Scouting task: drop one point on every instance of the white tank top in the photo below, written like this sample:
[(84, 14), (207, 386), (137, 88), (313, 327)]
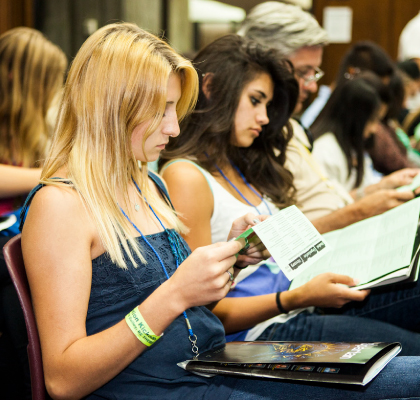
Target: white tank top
[(226, 207)]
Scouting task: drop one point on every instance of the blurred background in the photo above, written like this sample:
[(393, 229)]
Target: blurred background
[(191, 24)]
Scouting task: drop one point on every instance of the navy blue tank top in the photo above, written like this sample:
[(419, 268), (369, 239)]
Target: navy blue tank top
[(154, 374)]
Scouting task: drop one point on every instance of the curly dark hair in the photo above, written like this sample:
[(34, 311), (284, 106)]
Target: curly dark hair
[(232, 62)]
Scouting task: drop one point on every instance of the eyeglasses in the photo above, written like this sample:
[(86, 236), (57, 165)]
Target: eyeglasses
[(308, 79)]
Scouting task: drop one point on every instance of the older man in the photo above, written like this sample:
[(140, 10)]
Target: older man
[(329, 206)]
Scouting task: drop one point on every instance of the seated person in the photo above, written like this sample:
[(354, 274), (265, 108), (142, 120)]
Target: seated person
[(298, 37), (390, 139), (363, 56), (343, 130), (95, 248), (229, 160), (31, 77), (410, 74)]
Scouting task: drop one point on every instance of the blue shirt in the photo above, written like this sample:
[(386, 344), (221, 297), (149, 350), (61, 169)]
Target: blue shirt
[(154, 374)]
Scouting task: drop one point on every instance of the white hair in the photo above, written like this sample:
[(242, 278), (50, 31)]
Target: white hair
[(283, 26)]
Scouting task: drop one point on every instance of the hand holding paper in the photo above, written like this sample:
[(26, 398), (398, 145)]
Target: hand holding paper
[(329, 290), (254, 251), (415, 183), (376, 250), (291, 239)]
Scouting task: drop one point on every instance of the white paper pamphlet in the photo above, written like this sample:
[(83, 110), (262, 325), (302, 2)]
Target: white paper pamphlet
[(292, 240)]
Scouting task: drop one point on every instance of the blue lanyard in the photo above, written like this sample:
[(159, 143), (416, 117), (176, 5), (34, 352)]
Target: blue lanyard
[(177, 248), (247, 184)]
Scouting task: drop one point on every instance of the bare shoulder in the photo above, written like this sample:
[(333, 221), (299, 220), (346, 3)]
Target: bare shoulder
[(57, 212), (185, 173), (191, 195), (56, 201)]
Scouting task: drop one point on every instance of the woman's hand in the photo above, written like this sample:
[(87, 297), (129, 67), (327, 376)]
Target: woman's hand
[(398, 178), (381, 201), (202, 278), (392, 181), (256, 251), (325, 290)]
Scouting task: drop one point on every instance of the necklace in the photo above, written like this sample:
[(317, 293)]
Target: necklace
[(248, 185), (180, 253)]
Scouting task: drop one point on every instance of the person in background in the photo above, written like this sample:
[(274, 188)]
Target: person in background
[(295, 34), (31, 78), (343, 129), (412, 127), (15, 182), (410, 72), (363, 56), (299, 38), (108, 270), (387, 152), (409, 47), (229, 160), (390, 139)]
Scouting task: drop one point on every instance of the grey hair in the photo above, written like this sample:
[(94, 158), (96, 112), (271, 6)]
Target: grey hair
[(283, 26)]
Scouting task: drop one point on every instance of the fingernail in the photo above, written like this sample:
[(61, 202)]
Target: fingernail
[(256, 221), (231, 240), (242, 241), (356, 281)]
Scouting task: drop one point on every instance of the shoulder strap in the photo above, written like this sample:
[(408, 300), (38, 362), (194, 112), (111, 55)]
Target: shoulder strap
[(161, 187), (24, 211), (27, 203)]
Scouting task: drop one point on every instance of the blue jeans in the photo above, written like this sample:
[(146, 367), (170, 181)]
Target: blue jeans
[(388, 314), (398, 380)]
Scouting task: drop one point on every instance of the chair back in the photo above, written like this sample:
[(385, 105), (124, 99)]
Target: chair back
[(13, 256)]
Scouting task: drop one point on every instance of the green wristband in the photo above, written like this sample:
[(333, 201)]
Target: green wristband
[(139, 327)]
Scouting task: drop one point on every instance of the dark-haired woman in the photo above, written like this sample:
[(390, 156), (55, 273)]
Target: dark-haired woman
[(107, 268), (228, 161), (392, 145), (344, 131)]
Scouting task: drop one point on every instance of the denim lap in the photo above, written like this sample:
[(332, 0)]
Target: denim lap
[(395, 381)]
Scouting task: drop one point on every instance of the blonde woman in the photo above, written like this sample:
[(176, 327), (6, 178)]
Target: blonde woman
[(31, 77), (101, 243)]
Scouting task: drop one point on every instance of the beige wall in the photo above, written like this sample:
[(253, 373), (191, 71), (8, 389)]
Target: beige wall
[(145, 13), (179, 27), (148, 15)]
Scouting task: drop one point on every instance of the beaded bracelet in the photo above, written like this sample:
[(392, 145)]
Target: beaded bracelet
[(139, 327), (279, 306)]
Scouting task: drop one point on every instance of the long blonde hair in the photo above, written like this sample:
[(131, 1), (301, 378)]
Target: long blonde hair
[(31, 74), (117, 80)]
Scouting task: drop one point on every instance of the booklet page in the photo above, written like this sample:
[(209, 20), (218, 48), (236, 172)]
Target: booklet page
[(371, 248), (292, 240)]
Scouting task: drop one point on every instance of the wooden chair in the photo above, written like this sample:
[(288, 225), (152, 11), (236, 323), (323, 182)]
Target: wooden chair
[(13, 255)]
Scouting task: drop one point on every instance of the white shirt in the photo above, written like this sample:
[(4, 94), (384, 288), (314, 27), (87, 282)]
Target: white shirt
[(316, 195), (312, 112), (333, 161), (226, 209), (409, 45)]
